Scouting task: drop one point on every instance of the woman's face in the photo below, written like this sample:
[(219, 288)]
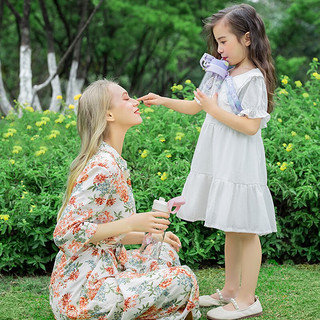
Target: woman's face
[(124, 110)]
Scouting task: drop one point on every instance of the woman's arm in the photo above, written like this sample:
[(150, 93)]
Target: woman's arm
[(141, 222), (182, 106), (242, 124)]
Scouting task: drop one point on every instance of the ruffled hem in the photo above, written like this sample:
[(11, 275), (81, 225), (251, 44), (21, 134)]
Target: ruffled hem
[(254, 114), (228, 206)]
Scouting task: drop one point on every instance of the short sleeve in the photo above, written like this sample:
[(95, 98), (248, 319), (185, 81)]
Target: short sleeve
[(77, 225), (254, 100)]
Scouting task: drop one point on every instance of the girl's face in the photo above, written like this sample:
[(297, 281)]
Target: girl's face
[(124, 111), (229, 47)]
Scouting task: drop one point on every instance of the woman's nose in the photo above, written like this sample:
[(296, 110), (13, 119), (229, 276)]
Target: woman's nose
[(135, 102)]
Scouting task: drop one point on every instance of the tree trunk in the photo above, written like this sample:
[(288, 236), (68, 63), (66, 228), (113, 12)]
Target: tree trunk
[(55, 83), (51, 59), (73, 83), (25, 94), (5, 105)]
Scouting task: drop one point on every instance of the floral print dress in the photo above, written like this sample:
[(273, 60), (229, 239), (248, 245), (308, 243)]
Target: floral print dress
[(104, 281)]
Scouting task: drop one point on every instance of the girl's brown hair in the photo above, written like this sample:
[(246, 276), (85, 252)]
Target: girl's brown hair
[(243, 18)]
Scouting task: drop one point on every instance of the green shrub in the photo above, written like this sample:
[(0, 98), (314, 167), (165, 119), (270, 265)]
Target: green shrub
[(35, 160)]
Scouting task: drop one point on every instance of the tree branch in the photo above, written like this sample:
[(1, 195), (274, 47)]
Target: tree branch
[(37, 88)]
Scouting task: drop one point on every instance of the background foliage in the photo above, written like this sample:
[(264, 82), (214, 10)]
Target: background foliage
[(149, 44), (37, 149)]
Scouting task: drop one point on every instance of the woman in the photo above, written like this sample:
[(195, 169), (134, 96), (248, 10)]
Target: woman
[(94, 276)]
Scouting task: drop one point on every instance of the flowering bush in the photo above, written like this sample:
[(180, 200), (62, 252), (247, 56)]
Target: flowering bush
[(37, 149)]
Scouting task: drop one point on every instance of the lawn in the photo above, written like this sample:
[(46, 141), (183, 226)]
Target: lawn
[(286, 292)]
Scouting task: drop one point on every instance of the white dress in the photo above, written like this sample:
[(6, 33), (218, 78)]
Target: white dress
[(227, 184)]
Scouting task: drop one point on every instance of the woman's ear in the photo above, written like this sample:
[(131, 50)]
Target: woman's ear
[(110, 117), (247, 39)]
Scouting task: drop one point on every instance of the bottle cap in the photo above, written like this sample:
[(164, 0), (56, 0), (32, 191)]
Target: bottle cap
[(160, 205)]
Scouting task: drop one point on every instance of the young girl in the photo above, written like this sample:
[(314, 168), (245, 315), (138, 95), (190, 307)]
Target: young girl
[(94, 277), (227, 184)]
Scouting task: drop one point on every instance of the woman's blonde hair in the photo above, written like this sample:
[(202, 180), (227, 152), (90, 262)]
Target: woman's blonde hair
[(93, 106)]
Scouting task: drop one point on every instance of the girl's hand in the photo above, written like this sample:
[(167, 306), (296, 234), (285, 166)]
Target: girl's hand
[(151, 99), (208, 104), (149, 222)]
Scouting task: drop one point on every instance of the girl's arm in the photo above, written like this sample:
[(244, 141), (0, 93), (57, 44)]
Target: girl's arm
[(242, 124), (182, 106)]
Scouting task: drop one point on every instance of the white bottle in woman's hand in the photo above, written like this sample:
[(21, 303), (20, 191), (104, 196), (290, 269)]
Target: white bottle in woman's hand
[(162, 206)]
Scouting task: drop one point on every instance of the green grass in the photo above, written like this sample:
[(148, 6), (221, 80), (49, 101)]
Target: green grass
[(286, 293)]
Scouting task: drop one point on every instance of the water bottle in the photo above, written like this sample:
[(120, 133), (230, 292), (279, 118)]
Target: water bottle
[(158, 205), (215, 72)]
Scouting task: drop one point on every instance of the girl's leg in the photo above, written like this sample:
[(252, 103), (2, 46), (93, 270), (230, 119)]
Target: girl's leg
[(250, 267), (232, 248)]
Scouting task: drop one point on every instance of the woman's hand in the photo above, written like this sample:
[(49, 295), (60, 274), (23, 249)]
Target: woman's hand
[(169, 238), (149, 222), (173, 240), (207, 104), (151, 99)]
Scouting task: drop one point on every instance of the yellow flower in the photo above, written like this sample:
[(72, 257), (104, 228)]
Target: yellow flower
[(77, 97), (293, 133), (7, 134), (148, 110), (42, 150), (279, 120), (144, 153), (316, 75), (162, 139), (305, 95), (40, 123), (164, 176), (16, 149), (307, 137), (47, 111), (13, 130), (28, 108), (284, 81), (59, 97), (29, 127), (315, 59), (179, 135), (284, 144), (73, 123), (45, 119), (283, 91), (179, 87), (159, 173), (60, 118), (12, 161), (173, 88), (71, 106), (168, 155), (188, 82), (4, 217), (283, 166), (278, 163), (289, 147), (298, 84)]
